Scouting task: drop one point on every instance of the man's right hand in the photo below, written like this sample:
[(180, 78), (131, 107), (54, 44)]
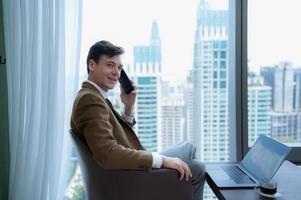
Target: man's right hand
[(177, 164)]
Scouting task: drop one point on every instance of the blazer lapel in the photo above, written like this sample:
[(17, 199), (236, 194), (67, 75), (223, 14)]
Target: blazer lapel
[(117, 115)]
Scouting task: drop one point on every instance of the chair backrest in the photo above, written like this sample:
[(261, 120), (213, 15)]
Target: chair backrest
[(93, 174)]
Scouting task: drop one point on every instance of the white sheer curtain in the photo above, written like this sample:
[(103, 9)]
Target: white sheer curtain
[(42, 40)]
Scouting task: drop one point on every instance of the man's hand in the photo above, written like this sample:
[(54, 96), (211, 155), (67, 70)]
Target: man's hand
[(128, 99), (179, 165)]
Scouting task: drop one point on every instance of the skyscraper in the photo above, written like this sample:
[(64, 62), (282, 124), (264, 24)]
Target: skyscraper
[(172, 121), (297, 89), (259, 108), (210, 84), (147, 74), (285, 118), (281, 79), (267, 72), (188, 112), (297, 101)]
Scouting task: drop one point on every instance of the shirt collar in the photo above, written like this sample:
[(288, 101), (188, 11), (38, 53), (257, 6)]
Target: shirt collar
[(101, 91)]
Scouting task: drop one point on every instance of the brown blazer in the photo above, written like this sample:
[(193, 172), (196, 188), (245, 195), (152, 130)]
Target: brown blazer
[(111, 139)]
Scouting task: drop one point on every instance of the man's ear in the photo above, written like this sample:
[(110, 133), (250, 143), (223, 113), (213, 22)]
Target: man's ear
[(92, 65)]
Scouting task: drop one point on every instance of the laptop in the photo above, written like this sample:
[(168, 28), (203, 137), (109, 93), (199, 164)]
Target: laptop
[(259, 165)]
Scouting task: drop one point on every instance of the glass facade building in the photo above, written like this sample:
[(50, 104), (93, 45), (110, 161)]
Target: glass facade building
[(147, 74), (210, 84), (259, 107)]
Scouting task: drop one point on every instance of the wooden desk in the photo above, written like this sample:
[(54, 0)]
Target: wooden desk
[(288, 178)]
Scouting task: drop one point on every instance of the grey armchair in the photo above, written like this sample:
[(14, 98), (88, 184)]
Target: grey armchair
[(101, 184)]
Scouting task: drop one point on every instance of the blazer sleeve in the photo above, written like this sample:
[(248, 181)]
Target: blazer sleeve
[(92, 118)]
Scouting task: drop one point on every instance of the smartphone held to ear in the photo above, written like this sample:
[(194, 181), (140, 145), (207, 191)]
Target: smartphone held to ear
[(125, 82)]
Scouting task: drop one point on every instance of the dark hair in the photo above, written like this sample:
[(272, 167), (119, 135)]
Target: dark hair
[(102, 48)]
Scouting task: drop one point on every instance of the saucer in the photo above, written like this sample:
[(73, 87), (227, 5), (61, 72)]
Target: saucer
[(272, 196)]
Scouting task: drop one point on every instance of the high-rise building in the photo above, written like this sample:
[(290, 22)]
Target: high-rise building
[(297, 100), (281, 79), (297, 89), (286, 124), (210, 84), (147, 73), (176, 113), (188, 112), (172, 121), (259, 108)]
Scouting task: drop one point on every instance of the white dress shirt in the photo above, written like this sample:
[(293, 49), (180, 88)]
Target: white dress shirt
[(157, 158)]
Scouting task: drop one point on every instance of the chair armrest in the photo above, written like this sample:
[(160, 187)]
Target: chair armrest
[(156, 184)]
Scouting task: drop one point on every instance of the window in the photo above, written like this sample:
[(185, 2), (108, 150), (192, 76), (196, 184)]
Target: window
[(223, 54), (273, 77), (158, 60)]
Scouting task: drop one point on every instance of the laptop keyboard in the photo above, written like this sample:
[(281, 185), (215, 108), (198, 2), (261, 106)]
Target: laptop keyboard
[(237, 174)]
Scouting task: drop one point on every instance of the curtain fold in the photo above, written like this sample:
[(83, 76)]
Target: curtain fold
[(42, 40), (4, 142)]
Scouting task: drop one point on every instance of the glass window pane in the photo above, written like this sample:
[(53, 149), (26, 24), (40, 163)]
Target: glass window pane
[(179, 63), (274, 70)]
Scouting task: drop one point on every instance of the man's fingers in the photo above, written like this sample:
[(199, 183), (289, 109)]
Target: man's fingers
[(182, 169), (134, 84), (179, 165), (135, 88), (182, 172), (187, 171)]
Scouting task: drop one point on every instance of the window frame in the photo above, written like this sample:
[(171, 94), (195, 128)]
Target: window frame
[(241, 13), (235, 71)]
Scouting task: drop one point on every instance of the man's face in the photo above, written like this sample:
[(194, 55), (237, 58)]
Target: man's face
[(106, 72)]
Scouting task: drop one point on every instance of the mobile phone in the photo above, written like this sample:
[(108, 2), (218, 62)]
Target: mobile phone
[(125, 82)]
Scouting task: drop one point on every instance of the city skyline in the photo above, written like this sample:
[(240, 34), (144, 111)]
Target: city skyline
[(132, 30), (132, 24), (217, 74)]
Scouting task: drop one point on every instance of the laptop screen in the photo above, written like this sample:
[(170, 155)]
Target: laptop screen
[(264, 158)]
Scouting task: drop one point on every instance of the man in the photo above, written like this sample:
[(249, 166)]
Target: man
[(109, 136)]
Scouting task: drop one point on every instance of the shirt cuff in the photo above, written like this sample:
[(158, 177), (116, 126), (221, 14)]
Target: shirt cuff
[(129, 119), (157, 160)]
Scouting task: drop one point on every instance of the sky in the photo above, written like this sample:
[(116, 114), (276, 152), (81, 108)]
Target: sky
[(127, 23), (274, 32)]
